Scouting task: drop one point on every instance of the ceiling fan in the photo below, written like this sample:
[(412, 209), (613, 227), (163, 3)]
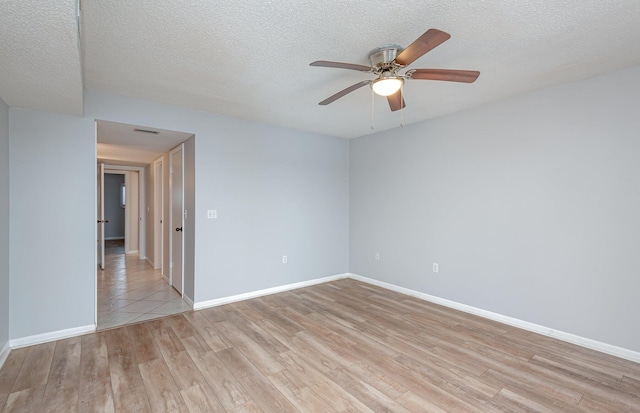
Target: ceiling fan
[(387, 61)]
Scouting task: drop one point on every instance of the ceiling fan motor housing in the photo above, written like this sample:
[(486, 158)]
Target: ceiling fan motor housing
[(382, 58)]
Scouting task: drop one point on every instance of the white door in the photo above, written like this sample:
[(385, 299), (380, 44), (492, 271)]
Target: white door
[(158, 208), (101, 220), (177, 216)]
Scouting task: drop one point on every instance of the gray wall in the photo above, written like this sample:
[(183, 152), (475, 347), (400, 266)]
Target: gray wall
[(112, 209), (53, 244), (277, 192), (530, 206), (4, 224)]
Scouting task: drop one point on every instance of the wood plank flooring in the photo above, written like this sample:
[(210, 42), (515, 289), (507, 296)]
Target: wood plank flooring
[(343, 346)]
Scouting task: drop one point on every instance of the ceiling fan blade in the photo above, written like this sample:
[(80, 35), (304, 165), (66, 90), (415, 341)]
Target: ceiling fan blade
[(465, 76), (339, 65), (344, 92), (431, 39), (396, 101)]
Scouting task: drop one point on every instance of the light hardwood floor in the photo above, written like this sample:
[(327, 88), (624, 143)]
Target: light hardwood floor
[(337, 347)]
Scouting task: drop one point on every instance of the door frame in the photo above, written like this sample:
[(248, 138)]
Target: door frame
[(126, 216), (100, 215), (142, 205), (171, 223)]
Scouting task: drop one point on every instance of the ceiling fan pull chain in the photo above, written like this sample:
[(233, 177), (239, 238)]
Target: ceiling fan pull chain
[(372, 98), (401, 105)]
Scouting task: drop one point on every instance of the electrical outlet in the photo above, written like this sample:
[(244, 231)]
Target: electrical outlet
[(284, 259), (435, 267), (377, 256), (212, 214)]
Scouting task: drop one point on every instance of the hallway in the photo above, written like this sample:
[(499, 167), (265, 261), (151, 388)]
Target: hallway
[(130, 290)]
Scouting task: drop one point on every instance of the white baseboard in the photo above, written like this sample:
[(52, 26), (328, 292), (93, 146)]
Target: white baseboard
[(260, 293), (149, 261), (4, 353), (525, 325), (188, 301), (132, 252), (52, 336)]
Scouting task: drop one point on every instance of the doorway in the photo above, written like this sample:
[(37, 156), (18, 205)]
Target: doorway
[(115, 202), (141, 285)]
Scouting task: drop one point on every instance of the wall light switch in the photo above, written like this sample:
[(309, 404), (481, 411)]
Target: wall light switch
[(212, 214), (435, 267)]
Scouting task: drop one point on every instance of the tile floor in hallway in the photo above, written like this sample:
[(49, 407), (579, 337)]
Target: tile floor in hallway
[(130, 290)]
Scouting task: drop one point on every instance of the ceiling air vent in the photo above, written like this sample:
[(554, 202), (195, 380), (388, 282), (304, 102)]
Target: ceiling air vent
[(146, 131)]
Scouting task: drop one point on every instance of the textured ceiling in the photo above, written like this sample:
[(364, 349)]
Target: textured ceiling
[(120, 143), (40, 65), (250, 59)]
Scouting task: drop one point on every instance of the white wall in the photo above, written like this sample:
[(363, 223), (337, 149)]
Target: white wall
[(4, 224), (530, 206), (52, 234), (277, 192)]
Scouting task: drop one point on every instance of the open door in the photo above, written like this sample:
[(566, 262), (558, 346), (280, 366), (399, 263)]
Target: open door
[(101, 220), (177, 215), (158, 207)]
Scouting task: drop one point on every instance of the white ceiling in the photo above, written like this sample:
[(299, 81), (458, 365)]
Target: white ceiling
[(40, 64), (250, 59), (120, 144)]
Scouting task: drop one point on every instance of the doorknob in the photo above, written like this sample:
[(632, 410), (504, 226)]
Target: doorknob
[(179, 229)]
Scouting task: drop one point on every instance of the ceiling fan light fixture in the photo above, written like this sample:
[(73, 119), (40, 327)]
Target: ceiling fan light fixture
[(387, 85)]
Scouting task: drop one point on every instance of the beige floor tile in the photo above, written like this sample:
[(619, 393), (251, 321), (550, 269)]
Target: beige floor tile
[(148, 316), (164, 295), (116, 318), (173, 307), (142, 306), (130, 290), (136, 294), (107, 306)]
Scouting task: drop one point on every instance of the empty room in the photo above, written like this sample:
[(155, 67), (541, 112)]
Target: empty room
[(303, 206)]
